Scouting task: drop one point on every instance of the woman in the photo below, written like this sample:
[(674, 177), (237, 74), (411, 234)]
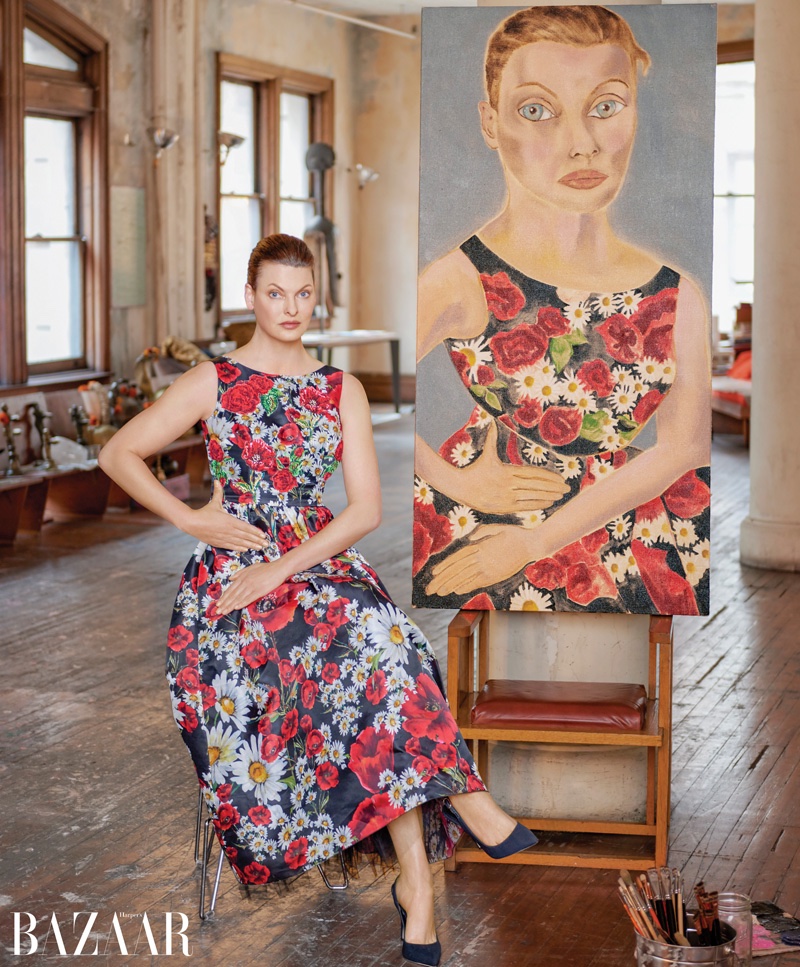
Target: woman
[(575, 345), (312, 707)]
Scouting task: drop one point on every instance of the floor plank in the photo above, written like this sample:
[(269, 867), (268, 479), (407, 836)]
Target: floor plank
[(99, 795)]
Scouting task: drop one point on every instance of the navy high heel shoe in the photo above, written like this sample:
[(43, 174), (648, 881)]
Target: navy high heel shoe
[(519, 838), (426, 954)]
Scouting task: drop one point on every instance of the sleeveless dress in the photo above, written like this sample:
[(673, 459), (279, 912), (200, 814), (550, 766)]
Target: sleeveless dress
[(572, 382), (316, 715)]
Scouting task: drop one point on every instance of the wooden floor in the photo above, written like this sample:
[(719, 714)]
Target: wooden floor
[(98, 794)]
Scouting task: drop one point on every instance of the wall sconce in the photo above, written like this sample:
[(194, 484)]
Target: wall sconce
[(226, 141), (366, 175), (163, 139)]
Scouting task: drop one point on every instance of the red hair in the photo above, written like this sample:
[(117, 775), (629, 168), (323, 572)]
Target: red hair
[(576, 26), (283, 249)]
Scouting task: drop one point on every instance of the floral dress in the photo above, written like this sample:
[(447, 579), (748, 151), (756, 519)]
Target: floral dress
[(314, 716), (572, 383)]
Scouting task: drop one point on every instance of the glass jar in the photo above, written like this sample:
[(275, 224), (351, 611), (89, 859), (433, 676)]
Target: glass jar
[(734, 909)]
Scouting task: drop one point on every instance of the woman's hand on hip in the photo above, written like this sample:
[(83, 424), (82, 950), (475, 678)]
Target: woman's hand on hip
[(494, 487), (493, 553), (213, 525)]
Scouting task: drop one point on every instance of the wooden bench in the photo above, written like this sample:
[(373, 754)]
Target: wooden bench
[(82, 490)]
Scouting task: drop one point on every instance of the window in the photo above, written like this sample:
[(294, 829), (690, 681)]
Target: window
[(268, 117), (53, 189), (734, 185)]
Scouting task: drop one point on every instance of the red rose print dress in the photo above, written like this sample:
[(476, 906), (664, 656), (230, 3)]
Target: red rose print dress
[(572, 386), (315, 716)]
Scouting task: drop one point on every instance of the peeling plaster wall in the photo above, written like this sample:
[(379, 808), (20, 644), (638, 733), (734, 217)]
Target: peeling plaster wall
[(271, 32), (387, 139), (292, 37), (125, 25)]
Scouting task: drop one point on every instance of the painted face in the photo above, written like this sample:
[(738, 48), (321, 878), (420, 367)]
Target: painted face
[(283, 300), (565, 123)]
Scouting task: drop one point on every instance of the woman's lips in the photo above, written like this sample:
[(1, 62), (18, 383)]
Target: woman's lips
[(583, 179)]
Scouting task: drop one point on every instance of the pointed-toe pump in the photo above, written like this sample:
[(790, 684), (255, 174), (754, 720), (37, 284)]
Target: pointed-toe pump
[(426, 954), (519, 838)]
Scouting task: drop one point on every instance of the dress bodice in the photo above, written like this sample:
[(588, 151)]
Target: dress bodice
[(567, 374), (273, 441)]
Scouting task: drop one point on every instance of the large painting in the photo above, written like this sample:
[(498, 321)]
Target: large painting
[(563, 417)]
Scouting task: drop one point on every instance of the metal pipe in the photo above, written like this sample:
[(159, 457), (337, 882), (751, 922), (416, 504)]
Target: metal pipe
[(352, 20)]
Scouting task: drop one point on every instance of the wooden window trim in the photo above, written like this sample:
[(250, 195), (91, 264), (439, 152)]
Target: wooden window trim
[(735, 50), (270, 80), (17, 80)]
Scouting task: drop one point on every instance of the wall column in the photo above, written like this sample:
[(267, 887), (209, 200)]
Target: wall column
[(770, 535), (175, 202)]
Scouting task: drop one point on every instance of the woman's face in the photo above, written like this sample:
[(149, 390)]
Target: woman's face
[(565, 123), (283, 300)]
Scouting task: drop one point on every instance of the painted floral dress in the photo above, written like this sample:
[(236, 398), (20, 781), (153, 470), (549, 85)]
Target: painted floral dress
[(315, 716), (572, 386)]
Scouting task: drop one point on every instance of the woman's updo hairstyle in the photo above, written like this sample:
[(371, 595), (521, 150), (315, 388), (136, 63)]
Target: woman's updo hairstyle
[(576, 26), (283, 249)]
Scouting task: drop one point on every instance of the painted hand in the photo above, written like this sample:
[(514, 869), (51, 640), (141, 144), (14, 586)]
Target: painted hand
[(494, 487), (494, 553), (250, 584), (213, 525)]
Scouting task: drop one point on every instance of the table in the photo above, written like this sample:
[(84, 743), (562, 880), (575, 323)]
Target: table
[(328, 341)]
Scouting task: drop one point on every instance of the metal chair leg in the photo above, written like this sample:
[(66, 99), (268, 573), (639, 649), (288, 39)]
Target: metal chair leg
[(198, 825), (208, 842), (327, 882)]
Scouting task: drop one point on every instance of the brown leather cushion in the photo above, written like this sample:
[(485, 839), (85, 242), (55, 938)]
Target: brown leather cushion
[(590, 706)]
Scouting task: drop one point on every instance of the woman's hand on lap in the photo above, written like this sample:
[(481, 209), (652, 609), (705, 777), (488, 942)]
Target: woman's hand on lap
[(499, 550), (250, 584)]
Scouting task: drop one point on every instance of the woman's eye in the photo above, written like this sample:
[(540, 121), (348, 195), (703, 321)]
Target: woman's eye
[(274, 295), (536, 112), (304, 295), (606, 109)]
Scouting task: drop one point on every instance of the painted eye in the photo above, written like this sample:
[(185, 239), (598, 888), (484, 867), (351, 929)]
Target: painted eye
[(536, 112), (606, 109)]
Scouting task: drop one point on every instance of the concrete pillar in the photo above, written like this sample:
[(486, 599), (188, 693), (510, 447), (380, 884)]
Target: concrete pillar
[(770, 535), (576, 782)]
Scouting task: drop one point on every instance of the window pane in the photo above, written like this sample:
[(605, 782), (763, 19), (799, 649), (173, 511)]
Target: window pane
[(295, 139), (237, 116), (53, 301), (734, 238), (735, 129), (294, 217), (733, 175), (240, 229), (37, 50), (49, 177)]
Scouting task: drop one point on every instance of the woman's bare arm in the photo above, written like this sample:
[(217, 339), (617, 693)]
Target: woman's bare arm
[(362, 514), (189, 399), (451, 305), (683, 421)]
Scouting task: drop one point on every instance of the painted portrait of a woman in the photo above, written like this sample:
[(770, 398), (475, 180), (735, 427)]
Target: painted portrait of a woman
[(579, 479)]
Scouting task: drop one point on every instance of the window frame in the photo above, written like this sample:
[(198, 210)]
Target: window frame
[(269, 81), (28, 89)]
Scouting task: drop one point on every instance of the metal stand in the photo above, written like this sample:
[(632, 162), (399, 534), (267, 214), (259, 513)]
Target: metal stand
[(203, 860)]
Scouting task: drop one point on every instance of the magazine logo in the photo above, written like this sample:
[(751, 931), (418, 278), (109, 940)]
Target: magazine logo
[(86, 936)]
